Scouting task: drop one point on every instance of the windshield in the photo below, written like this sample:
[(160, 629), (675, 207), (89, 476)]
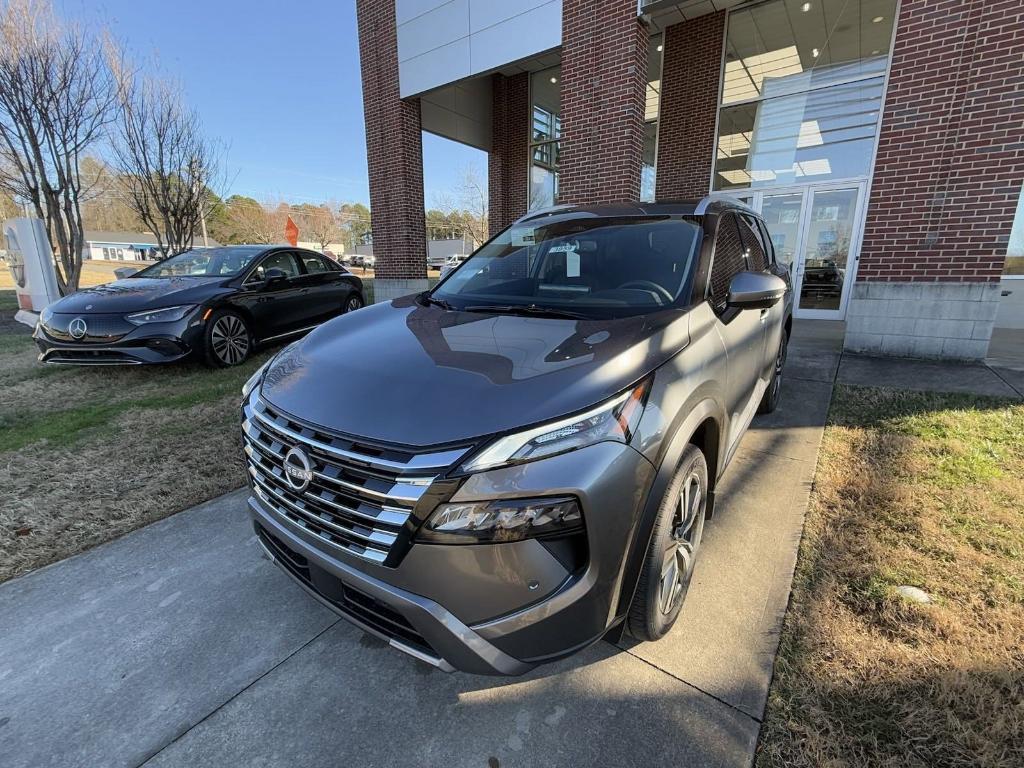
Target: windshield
[(211, 262), (594, 267)]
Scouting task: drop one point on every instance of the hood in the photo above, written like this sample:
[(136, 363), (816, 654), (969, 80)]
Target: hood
[(139, 293), (403, 373)]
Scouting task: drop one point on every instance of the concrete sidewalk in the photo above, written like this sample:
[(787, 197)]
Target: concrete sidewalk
[(178, 645)]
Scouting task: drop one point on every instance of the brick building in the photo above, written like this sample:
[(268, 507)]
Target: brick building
[(882, 140)]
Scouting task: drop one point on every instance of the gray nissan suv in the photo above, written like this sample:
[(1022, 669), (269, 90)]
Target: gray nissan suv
[(502, 470)]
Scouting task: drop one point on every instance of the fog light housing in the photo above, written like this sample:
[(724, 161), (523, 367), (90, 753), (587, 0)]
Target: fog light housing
[(502, 520)]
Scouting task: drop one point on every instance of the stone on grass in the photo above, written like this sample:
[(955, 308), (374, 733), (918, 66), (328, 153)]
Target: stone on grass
[(914, 594)]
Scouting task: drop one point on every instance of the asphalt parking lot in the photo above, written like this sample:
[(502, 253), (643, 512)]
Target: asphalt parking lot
[(179, 645)]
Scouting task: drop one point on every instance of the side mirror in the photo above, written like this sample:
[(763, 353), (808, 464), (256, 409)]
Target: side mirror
[(755, 290), (274, 276)]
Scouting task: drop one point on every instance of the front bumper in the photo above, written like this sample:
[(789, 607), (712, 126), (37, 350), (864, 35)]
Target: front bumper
[(145, 344), (489, 608)]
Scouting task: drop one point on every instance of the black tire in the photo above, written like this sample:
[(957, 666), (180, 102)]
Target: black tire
[(669, 563), (772, 395), (353, 302), (228, 340)]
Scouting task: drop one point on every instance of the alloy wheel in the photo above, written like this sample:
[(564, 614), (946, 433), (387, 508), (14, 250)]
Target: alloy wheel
[(780, 363), (230, 340), (679, 557), (353, 304)]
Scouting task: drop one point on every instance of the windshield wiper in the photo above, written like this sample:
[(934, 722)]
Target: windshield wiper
[(426, 298), (526, 309)]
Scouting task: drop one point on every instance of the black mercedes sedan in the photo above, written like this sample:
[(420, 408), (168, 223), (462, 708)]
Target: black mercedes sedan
[(215, 303)]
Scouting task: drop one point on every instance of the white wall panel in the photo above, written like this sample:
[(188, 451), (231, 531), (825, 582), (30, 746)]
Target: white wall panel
[(433, 68), (439, 26), (442, 42), (516, 38)]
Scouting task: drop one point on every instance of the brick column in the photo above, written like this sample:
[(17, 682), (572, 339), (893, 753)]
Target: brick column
[(604, 73), (946, 182), (394, 158), (508, 163), (691, 69)]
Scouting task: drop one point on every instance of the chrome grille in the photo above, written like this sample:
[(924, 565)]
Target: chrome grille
[(360, 495)]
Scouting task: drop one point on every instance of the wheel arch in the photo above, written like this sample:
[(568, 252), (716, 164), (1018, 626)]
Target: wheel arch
[(702, 427)]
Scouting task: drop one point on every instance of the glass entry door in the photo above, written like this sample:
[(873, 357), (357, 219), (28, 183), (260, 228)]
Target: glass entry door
[(816, 231)]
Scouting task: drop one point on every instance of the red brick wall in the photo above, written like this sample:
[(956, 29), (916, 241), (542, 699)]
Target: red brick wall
[(394, 149), (604, 70), (508, 165), (691, 70), (951, 152)]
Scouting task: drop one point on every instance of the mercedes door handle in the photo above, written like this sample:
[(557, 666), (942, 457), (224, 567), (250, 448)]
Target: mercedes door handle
[(764, 315)]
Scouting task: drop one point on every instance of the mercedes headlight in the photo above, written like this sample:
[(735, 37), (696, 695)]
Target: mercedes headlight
[(615, 419), (164, 315)]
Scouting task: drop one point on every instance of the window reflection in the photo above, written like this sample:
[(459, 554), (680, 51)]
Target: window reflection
[(545, 132), (814, 136), (802, 91)]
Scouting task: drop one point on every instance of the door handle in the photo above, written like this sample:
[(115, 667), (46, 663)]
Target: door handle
[(764, 315)]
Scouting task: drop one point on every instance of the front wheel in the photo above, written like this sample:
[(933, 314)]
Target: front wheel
[(228, 340), (355, 301), (668, 565)]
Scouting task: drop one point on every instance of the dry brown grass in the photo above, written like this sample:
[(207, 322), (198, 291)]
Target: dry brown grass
[(911, 489), (93, 273), (87, 454)]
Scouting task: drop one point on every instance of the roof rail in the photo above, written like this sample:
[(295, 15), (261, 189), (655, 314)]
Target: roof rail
[(702, 206), (544, 212)]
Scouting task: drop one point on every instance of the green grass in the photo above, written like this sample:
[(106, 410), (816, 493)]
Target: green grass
[(89, 453)]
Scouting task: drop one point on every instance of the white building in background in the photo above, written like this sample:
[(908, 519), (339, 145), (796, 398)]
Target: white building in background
[(126, 246)]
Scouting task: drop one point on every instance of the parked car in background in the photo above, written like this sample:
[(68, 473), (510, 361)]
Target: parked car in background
[(216, 303), (590, 372)]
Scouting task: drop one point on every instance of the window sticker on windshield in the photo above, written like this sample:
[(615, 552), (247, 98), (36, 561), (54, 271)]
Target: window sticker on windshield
[(572, 257), (523, 237)]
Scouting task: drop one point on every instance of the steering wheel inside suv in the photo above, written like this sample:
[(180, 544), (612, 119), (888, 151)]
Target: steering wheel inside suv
[(649, 285)]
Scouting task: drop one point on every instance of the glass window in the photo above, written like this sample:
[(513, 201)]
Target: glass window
[(545, 132), (757, 258), (802, 91), (283, 261), (652, 107), (314, 263), (221, 262), (594, 267), (728, 260), (1015, 250)]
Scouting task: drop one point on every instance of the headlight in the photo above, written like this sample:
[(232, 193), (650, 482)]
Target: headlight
[(255, 379), (502, 520), (164, 315), (615, 419), (45, 315)]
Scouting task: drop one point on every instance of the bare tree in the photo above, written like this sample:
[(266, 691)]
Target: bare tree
[(253, 222), (56, 97), (166, 165), (322, 225), (468, 212)]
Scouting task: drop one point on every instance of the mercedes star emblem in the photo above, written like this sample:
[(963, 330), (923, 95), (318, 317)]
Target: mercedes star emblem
[(77, 328), (297, 469)]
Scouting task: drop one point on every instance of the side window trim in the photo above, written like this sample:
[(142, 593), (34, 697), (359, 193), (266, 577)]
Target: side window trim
[(749, 229), (723, 221), (766, 238)]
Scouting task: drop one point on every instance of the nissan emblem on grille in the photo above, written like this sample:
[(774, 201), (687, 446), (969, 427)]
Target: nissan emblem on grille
[(77, 328), (297, 469)]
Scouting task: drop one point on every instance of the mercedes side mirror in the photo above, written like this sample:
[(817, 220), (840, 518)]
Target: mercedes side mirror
[(274, 276), (756, 290)]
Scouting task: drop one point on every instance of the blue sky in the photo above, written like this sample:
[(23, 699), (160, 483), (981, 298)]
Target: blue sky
[(277, 82)]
